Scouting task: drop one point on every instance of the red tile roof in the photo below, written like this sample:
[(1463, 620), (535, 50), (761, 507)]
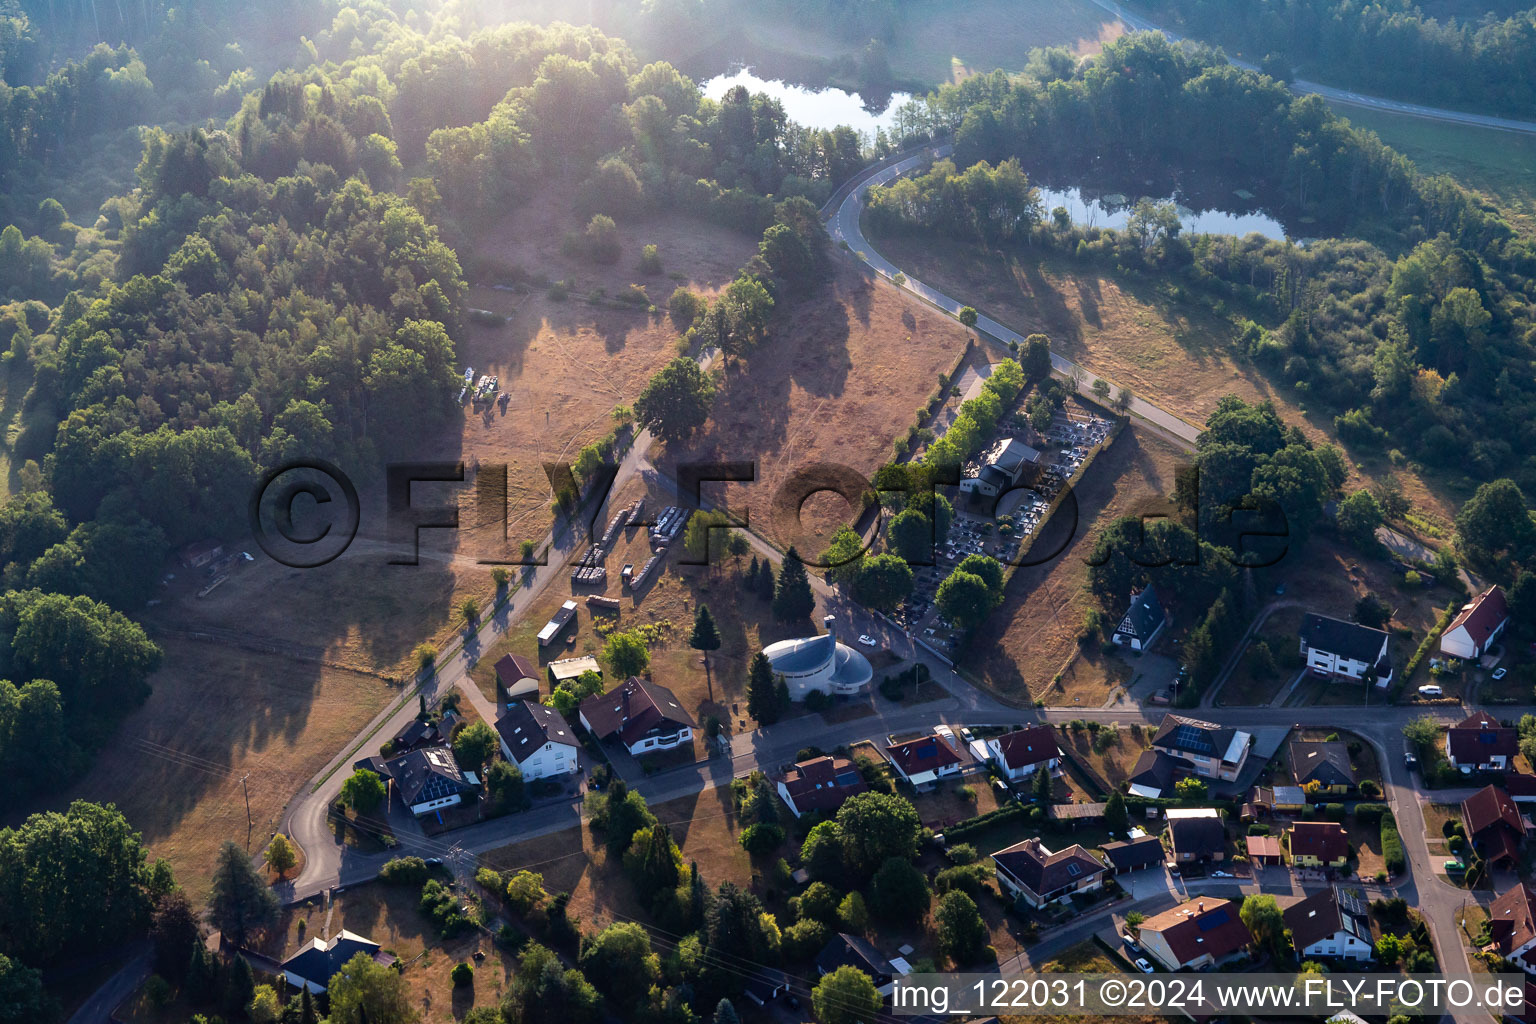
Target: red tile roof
[(1325, 840), (1480, 737), (823, 783), (1512, 919), (1024, 747), (1200, 927), (924, 754), (1486, 613), (1488, 807), (513, 667), (633, 710)]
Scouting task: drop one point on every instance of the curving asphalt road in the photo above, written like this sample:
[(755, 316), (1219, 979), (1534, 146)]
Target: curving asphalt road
[(1346, 96), (843, 226)]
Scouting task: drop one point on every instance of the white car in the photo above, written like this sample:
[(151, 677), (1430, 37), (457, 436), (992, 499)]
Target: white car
[(1220, 874), (1430, 690), (1143, 966), (1500, 673), (867, 640)]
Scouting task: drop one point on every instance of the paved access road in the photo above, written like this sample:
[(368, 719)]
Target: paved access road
[(1348, 96), (844, 227)]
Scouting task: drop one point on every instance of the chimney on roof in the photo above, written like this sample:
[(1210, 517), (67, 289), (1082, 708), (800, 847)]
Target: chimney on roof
[(828, 623)]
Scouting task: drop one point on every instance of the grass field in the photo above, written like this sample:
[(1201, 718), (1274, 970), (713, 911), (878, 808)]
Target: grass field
[(840, 378), (1114, 762), (217, 714), (1499, 165), (1029, 638), (1174, 353)]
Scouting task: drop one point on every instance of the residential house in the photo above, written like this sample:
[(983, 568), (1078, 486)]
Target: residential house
[(1477, 627), (1520, 786), (1196, 835), (1331, 924), (313, 966), (925, 760), (1512, 926), (820, 664), (538, 740), (1494, 825), (1143, 621), (429, 779), (1277, 799), (1322, 767), (200, 553), (766, 983), (1155, 773), (1319, 844), (1196, 934), (1214, 751), (643, 716), (844, 950), (1017, 754), (820, 784), (420, 734), (1481, 743), (518, 677), (1134, 854), (1032, 872), (1335, 647)]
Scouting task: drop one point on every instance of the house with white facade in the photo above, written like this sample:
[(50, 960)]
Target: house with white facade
[(1331, 924), (820, 784), (1512, 927), (1019, 754), (1338, 648), (644, 716), (538, 740), (820, 663), (314, 965), (1214, 751), (429, 779), (1032, 872), (1142, 622), (1200, 933), (1481, 743), (1478, 626), (925, 760)]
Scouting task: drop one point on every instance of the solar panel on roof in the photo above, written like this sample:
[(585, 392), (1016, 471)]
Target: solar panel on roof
[(1191, 737), (1215, 919)]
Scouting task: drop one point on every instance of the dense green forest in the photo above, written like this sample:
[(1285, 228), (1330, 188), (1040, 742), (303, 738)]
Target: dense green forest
[(1391, 47), (1418, 333), (279, 276)]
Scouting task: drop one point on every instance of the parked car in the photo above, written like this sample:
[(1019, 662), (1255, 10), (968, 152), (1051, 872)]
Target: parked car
[(1431, 690), (866, 640), (1410, 761), (1130, 943), (1143, 966), (1500, 673)]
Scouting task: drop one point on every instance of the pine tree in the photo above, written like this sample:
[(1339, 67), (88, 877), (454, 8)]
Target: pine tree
[(706, 638), (725, 1013), (239, 985), (307, 1008), (751, 580), (1115, 816), (792, 597), (202, 976), (765, 581), (1043, 786), (762, 700)]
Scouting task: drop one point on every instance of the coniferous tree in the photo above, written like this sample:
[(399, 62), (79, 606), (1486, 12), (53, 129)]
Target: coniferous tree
[(765, 581), (792, 597), (307, 1008), (762, 696)]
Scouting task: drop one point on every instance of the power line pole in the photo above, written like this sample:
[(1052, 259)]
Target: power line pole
[(247, 794)]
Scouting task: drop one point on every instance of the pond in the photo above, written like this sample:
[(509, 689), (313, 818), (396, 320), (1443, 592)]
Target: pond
[(813, 108), (1113, 211)]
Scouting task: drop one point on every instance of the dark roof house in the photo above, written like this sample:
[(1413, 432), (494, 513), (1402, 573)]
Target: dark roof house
[(313, 966), (1195, 839), (844, 950), (1512, 921), (1142, 621), (1025, 747), (1347, 641), (930, 753), (1155, 773), (1194, 931), (637, 711), (1325, 840), (1044, 872), (1325, 763), (1481, 740), (820, 784), (1323, 915), (525, 727), (1494, 825), (515, 673), (427, 776)]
